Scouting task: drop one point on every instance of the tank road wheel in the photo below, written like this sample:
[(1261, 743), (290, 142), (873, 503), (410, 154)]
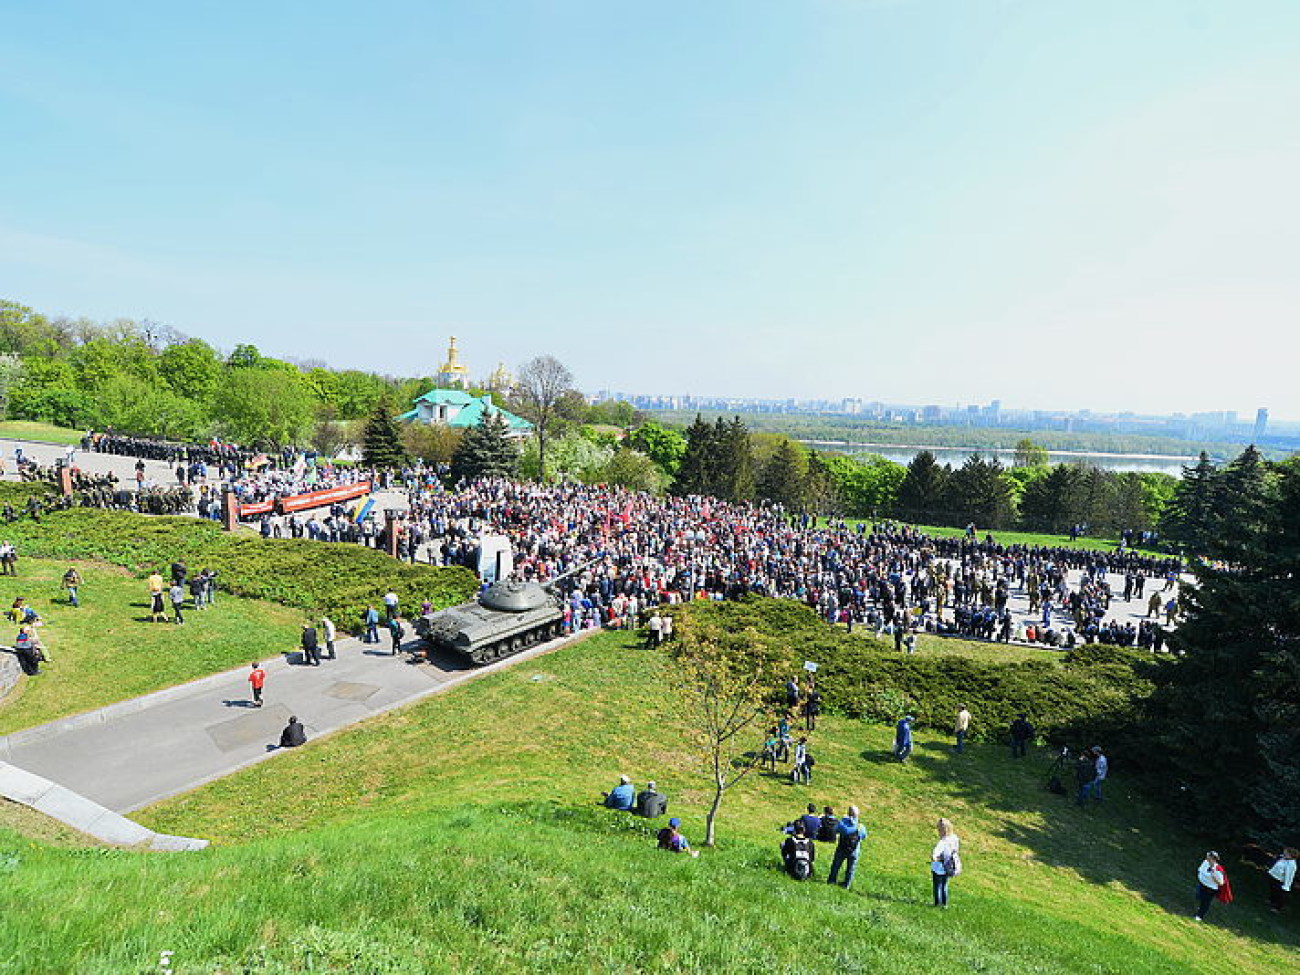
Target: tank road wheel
[(517, 644)]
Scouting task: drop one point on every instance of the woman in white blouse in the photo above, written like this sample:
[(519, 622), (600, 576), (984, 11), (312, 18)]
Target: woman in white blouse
[(945, 862)]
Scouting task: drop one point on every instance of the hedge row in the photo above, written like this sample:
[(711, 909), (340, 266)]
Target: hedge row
[(340, 579), (1091, 692)]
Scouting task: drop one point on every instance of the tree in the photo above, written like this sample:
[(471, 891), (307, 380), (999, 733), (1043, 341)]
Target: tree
[(256, 406), (381, 441), (721, 684), (1029, 454), (1227, 710), (663, 446), (632, 470), (781, 477), (697, 472), (192, 369), (977, 494), (540, 385), (1189, 516), (485, 450), (922, 492), (433, 443), (11, 370), (735, 461), (244, 357)]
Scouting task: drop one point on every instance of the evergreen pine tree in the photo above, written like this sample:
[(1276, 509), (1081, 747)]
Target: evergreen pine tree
[(979, 495), (485, 450), (695, 473), (736, 462), (1189, 517), (782, 477), (381, 440), (1228, 709), (1050, 503), (923, 490)]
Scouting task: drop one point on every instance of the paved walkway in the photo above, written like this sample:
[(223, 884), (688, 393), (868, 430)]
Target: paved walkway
[(131, 754)]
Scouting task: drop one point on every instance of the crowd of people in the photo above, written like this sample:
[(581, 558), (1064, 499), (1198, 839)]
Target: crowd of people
[(638, 551)]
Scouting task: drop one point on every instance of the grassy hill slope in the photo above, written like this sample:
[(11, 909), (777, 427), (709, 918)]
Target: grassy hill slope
[(461, 834)]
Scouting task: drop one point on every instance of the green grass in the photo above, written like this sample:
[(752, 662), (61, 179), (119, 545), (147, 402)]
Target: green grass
[(35, 430), (108, 649), (461, 834), (1008, 537)]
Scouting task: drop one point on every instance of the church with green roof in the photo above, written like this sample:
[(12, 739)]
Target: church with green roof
[(459, 410)]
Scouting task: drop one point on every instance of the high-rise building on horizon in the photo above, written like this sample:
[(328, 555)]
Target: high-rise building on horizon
[(1261, 421)]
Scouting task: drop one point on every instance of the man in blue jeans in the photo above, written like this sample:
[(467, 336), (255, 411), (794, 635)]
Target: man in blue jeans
[(849, 834)]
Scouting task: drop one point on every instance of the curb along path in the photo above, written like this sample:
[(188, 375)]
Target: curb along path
[(136, 752)]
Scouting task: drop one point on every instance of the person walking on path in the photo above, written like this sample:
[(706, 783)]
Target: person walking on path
[(961, 727), (177, 594), (903, 738), (945, 862), (1280, 878), (390, 605), (849, 834), (1210, 880), (257, 680), (370, 619), (327, 631), (310, 646), (396, 631), (71, 582)]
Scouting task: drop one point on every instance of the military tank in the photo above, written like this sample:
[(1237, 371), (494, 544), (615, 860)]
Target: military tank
[(507, 617)]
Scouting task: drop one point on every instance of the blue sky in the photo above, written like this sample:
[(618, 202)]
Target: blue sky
[(1055, 204)]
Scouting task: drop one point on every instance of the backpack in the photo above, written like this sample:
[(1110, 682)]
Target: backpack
[(849, 842), (800, 863), (826, 834), (808, 760), (952, 864)]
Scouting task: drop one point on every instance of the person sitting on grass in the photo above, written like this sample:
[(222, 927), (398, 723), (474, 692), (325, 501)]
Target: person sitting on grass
[(798, 852), (671, 839), (622, 796), (650, 802)]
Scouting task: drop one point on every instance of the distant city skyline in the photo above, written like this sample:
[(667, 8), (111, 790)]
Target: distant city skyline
[(1062, 206)]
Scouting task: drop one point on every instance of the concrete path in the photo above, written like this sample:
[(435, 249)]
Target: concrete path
[(131, 754)]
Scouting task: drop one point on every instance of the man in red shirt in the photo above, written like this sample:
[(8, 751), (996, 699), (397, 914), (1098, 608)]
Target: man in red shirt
[(256, 678)]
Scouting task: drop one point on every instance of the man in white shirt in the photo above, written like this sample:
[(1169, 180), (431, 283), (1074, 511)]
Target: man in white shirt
[(1281, 876), (1101, 767)]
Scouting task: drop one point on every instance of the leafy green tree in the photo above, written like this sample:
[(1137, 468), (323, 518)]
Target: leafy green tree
[(381, 441), (485, 450), (1029, 454), (433, 443), (923, 492), (192, 369), (632, 470), (244, 357), (259, 407), (662, 445), (11, 371)]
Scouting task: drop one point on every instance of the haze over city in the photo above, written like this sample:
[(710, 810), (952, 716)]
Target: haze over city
[(1054, 206)]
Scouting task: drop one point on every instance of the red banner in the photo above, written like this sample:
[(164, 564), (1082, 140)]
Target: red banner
[(256, 508), (319, 499)]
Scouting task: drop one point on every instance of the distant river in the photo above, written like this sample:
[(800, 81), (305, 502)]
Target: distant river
[(903, 454)]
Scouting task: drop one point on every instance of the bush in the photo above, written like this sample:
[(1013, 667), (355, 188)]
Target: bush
[(1095, 691), (330, 577)]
